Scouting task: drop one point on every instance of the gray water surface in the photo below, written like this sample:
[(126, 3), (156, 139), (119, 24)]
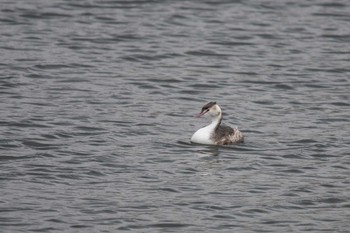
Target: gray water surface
[(96, 110)]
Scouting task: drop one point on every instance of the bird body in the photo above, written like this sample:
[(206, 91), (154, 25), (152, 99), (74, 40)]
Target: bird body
[(215, 133)]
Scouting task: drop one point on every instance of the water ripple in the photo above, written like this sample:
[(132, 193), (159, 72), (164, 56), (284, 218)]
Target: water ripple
[(97, 100)]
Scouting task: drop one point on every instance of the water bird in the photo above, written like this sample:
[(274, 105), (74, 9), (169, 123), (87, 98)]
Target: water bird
[(215, 133)]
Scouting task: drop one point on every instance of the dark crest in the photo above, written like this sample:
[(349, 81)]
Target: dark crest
[(208, 105)]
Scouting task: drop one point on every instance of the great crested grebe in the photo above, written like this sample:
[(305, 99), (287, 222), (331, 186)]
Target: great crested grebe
[(215, 133)]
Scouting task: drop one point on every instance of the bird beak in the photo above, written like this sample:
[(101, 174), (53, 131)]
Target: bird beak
[(201, 113)]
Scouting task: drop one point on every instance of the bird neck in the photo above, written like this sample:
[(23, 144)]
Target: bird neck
[(216, 121)]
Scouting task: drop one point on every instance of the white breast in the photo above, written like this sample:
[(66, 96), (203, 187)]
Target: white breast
[(202, 135)]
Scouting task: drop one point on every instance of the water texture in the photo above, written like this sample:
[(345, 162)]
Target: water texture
[(96, 110)]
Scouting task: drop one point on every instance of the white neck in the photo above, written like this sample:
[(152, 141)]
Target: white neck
[(203, 135), (216, 120)]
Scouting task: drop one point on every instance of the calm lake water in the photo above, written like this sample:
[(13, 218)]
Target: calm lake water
[(96, 110)]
